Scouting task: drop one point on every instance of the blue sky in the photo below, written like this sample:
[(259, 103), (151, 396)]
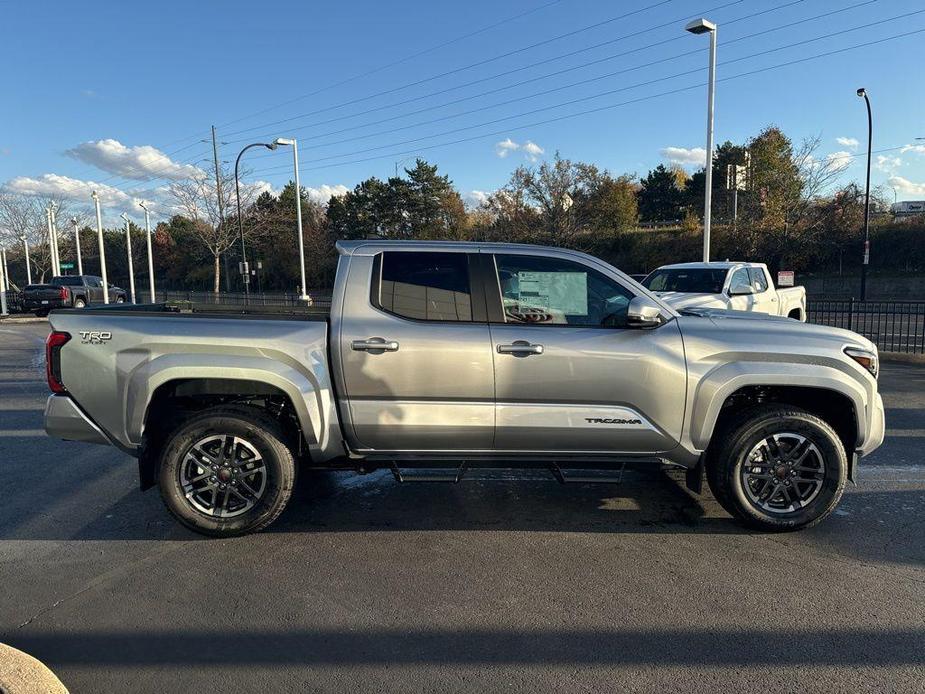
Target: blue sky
[(117, 96)]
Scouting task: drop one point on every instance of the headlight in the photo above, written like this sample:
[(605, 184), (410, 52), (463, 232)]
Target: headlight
[(865, 358)]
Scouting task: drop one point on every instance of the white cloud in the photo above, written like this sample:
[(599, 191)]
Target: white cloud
[(917, 149), (530, 149), (55, 186), (141, 163), (696, 156), (324, 192), (849, 142), (476, 198), (906, 186), (840, 160), (887, 164)]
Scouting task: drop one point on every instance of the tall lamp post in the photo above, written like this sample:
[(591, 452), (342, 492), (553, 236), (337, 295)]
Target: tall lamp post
[(704, 26), (99, 240), (25, 246), (870, 136), (150, 255), (128, 251), (80, 262), (237, 193), (3, 307), (298, 207)]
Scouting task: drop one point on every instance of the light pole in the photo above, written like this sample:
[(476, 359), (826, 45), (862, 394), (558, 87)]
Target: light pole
[(51, 241), (870, 136), (3, 307), (6, 270), (150, 256), (99, 240), (128, 251), (237, 192), (80, 262), (25, 245), (298, 207), (54, 233), (704, 26)]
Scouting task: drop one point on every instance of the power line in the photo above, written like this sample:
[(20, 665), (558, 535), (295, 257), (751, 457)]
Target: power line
[(611, 106), (471, 65), (574, 84), (599, 95), (396, 62), (673, 22)]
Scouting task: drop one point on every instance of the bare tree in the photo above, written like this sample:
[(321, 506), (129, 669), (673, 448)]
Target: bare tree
[(23, 216), (198, 199)]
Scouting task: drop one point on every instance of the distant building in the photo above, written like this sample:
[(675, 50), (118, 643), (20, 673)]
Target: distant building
[(908, 208)]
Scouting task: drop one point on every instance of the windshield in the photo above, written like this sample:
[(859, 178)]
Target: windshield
[(687, 280), (75, 281)]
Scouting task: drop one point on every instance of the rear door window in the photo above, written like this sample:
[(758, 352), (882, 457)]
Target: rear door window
[(759, 281), (425, 286)]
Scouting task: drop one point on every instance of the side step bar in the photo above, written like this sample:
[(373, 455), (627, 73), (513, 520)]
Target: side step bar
[(562, 474)]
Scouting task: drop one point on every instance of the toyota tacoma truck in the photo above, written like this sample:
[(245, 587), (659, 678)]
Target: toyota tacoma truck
[(71, 291), (436, 358), (730, 285)]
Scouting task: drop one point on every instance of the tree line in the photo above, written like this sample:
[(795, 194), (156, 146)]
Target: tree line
[(789, 213)]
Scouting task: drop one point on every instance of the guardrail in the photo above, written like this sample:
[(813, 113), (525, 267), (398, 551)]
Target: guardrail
[(894, 326)]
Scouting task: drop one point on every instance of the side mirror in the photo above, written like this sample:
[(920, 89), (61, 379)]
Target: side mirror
[(643, 313)]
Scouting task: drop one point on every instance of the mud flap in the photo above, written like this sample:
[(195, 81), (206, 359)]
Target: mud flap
[(853, 467), (693, 478), (147, 469)]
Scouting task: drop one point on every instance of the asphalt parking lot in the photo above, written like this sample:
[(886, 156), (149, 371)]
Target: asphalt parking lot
[(524, 585)]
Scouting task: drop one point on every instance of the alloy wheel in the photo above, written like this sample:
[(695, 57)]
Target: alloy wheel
[(783, 473), (223, 476)]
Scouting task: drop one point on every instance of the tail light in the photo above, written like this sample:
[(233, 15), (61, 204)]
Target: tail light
[(54, 343), (64, 293)]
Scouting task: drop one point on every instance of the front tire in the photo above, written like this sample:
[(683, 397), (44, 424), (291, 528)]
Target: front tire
[(778, 468), (227, 471)]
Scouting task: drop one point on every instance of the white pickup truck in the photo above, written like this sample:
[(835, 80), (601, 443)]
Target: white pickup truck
[(727, 285)]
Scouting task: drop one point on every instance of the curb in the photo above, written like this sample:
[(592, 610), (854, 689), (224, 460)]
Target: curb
[(22, 674), (25, 319), (902, 358)]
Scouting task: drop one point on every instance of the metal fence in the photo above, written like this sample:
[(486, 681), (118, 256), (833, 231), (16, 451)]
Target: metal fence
[(894, 326), (320, 299)]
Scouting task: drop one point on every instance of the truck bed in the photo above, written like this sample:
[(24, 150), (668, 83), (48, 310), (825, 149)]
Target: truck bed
[(207, 310)]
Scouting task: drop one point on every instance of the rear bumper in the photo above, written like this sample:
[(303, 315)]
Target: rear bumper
[(37, 305), (877, 428), (64, 420)]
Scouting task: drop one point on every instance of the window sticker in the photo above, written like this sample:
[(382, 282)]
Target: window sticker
[(565, 292)]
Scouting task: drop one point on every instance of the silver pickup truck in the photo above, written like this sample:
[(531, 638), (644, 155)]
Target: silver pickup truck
[(439, 357)]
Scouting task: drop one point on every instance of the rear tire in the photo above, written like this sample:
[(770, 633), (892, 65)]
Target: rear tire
[(42, 313), (778, 468), (227, 471)]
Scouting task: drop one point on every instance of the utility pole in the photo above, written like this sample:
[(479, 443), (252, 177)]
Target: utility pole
[(25, 245), (99, 239), (221, 204), (80, 262), (128, 251)]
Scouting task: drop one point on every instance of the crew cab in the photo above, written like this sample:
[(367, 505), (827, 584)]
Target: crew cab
[(439, 357), (731, 285), (70, 291)]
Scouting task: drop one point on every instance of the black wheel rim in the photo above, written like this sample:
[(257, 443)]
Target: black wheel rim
[(223, 476), (783, 473)]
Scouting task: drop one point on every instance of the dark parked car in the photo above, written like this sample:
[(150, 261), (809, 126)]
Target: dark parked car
[(74, 291)]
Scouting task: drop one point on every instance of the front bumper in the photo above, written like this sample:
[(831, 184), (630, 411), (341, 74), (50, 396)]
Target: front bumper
[(64, 420), (877, 428)]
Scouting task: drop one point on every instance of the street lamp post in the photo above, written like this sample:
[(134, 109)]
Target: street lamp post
[(704, 26), (51, 241), (870, 136), (298, 208), (25, 246), (128, 251), (56, 251), (99, 240), (150, 256), (80, 262), (3, 307), (237, 192)]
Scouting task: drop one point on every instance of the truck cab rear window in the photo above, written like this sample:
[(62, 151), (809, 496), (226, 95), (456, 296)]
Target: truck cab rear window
[(426, 286)]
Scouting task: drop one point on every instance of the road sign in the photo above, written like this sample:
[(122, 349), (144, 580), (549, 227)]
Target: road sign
[(785, 278), (67, 266)]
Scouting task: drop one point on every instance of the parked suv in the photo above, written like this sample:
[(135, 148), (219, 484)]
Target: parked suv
[(71, 291)]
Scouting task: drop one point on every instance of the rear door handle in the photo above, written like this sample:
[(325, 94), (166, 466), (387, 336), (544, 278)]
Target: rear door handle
[(374, 344), (520, 348)]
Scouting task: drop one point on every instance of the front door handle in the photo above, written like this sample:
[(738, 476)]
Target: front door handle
[(376, 345), (520, 348)]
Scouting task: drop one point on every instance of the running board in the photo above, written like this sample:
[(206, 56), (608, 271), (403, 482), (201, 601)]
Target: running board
[(423, 474), (572, 475)]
